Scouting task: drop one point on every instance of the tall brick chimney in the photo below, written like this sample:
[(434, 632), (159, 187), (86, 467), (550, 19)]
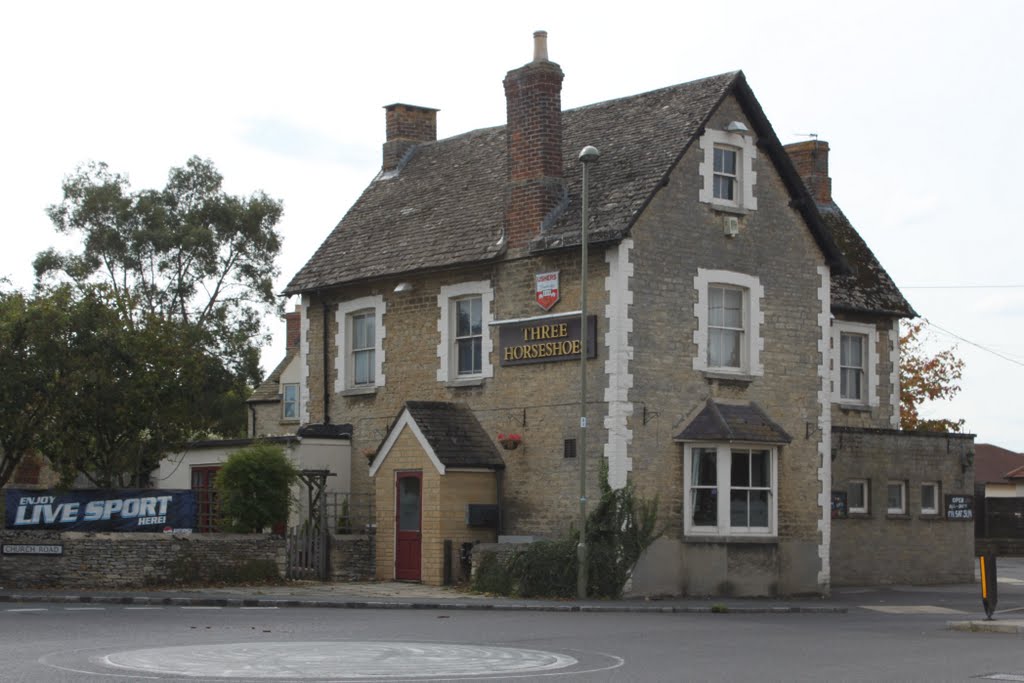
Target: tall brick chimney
[(811, 161), (533, 98), (293, 330), (407, 126)]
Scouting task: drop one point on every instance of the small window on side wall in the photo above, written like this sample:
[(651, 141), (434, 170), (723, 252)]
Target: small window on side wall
[(930, 498), (896, 498), (857, 496), (290, 402)]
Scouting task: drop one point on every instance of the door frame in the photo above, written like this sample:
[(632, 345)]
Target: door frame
[(399, 476)]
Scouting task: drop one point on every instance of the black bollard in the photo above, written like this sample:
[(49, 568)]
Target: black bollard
[(989, 584)]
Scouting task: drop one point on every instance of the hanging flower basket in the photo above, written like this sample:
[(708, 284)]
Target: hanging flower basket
[(510, 442)]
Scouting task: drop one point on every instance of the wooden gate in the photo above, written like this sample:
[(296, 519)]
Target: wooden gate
[(308, 545), (307, 553)]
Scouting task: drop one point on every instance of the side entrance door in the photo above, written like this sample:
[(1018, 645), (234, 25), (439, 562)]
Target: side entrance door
[(408, 531), (206, 497)]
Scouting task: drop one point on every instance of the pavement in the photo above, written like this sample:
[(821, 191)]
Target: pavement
[(400, 595), (962, 600)]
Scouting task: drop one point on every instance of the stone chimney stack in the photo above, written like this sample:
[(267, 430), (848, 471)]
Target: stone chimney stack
[(811, 161), (407, 126), (293, 330), (533, 98)]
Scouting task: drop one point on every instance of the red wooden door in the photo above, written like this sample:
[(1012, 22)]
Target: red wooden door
[(408, 531), (206, 497)]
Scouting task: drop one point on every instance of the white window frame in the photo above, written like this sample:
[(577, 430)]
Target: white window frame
[(936, 489), (448, 366), (865, 487), (746, 177), (902, 509), (285, 401), (344, 362), (869, 388), (753, 320), (723, 470)]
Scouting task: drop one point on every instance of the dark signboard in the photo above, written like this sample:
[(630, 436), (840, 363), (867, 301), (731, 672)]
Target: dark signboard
[(101, 510), (960, 507), (32, 549), (839, 509), (543, 340)]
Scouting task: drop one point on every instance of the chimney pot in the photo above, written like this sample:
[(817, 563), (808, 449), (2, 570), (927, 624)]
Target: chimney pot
[(540, 46), (533, 99)]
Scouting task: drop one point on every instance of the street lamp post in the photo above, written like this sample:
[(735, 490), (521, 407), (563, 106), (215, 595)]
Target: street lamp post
[(587, 155)]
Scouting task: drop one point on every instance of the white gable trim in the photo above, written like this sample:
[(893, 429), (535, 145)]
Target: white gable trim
[(405, 421)]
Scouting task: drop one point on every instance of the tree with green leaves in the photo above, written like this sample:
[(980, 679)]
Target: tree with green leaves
[(34, 334), (167, 294), (926, 377), (189, 253), (254, 488)]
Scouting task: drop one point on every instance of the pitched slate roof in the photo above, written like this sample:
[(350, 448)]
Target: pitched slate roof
[(867, 288), (269, 391), (733, 422), (454, 434), (445, 207), (994, 464)]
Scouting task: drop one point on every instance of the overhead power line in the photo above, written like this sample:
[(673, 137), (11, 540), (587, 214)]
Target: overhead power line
[(962, 287), (975, 344)]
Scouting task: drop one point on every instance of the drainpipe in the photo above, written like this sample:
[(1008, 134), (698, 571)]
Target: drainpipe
[(327, 391), (498, 476), (252, 410)]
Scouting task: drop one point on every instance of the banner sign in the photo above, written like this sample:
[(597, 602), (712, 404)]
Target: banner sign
[(101, 510), (545, 339)]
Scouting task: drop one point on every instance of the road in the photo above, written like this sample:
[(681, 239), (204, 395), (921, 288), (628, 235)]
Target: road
[(887, 634), (56, 642)]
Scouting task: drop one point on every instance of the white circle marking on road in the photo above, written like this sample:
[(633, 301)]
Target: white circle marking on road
[(338, 660)]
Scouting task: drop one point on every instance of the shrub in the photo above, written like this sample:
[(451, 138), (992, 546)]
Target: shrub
[(619, 529), (254, 488)]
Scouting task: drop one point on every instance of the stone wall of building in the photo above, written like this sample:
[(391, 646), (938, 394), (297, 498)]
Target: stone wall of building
[(774, 245), (139, 560), (879, 547)]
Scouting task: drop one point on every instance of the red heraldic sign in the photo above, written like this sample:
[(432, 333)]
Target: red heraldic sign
[(547, 289)]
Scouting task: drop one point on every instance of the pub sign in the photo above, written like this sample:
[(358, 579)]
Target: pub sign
[(545, 339), (547, 289)]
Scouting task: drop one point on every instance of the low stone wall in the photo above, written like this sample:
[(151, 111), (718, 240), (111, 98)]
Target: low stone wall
[(138, 560), (352, 557)]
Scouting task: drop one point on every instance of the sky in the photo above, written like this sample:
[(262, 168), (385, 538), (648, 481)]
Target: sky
[(920, 103)]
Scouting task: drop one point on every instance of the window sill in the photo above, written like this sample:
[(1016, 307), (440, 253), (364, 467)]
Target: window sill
[(290, 421), (855, 407), (359, 391), (857, 515), (731, 540), (729, 208), (469, 382), (897, 515), (930, 516), (739, 378)]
